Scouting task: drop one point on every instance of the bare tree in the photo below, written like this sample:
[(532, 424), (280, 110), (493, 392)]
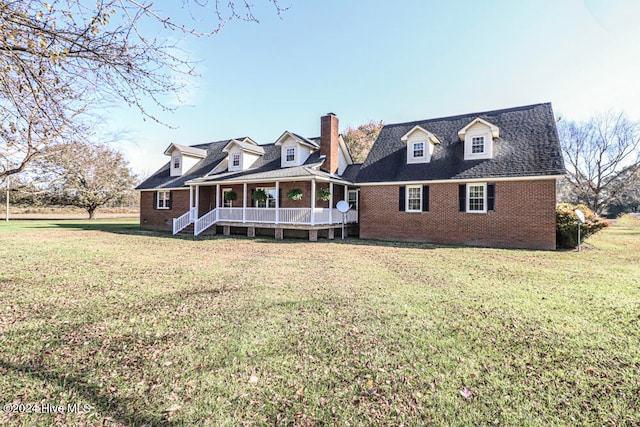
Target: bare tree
[(54, 56), (360, 139), (86, 175), (598, 154)]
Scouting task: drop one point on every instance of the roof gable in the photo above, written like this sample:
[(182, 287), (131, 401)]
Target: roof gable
[(495, 131), (434, 139), (299, 139), (185, 149)]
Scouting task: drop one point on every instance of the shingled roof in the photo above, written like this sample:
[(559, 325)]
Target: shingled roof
[(267, 166), (528, 146)]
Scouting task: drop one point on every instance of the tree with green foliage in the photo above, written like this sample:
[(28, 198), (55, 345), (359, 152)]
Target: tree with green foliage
[(86, 175)]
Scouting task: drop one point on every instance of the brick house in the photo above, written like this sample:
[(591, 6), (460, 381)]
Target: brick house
[(238, 185), (484, 179)]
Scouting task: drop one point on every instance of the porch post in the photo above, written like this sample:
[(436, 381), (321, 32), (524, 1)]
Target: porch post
[(346, 193), (331, 203), (217, 202), (197, 201), (244, 202), (190, 197), (313, 202), (277, 201)]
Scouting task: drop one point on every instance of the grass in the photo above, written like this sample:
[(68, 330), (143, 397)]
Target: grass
[(147, 329)]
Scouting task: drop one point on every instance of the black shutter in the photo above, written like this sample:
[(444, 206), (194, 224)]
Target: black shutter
[(170, 199), (253, 190), (155, 200), (491, 197), (462, 197), (401, 201), (425, 198)]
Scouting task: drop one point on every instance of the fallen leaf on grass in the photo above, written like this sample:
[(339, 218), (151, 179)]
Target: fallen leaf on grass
[(173, 408), (300, 392), (253, 379), (466, 393)]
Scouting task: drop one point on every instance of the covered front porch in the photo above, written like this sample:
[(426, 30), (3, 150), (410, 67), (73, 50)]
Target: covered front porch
[(232, 204)]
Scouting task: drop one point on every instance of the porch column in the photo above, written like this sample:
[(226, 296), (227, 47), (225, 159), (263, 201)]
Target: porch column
[(277, 201), (313, 202), (244, 202), (217, 202), (331, 203), (346, 193), (197, 202), (191, 218)]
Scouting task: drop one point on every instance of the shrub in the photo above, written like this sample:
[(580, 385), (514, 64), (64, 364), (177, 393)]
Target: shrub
[(294, 194), (567, 224), (259, 195), (230, 196), (323, 194)]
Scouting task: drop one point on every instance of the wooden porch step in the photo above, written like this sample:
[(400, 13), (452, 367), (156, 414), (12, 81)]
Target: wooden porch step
[(188, 230)]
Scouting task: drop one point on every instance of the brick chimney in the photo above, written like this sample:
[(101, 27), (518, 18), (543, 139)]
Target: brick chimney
[(329, 142)]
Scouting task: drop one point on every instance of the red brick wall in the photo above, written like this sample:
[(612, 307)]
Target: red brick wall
[(329, 142), (162, 219), (524, 216)]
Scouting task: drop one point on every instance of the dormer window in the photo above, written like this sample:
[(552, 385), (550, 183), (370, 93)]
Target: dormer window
[(418, 150), (420, 144), (477, 145), (176, 162), (291, 155), (235, 160), (478, 137)]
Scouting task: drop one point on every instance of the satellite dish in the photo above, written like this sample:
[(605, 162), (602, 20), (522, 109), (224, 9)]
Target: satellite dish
[(342, 206), (580, 216)]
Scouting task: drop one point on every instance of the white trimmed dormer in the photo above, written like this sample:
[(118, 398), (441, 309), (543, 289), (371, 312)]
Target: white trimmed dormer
[(183, 158), (242, 154), (420, 143), (294, 150), (478, 139)]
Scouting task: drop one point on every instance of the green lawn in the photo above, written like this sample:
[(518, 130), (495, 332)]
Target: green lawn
[(150, 329)]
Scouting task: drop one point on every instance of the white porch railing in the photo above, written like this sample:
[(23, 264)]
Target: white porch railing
[(230, 214), (266, 215), (204, 222), (261, 215), (294, 216), (184, 220)]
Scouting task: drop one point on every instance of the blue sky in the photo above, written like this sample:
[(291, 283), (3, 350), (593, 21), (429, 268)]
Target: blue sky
[(394, 61)]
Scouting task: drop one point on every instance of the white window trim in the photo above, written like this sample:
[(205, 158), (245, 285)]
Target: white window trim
[(164, 199), (484, 144), (355, 204), (287, 155), (266, 202), (406, 197), (233, 158), (226, 190), (484, 194), (413, 149), (176, 160)]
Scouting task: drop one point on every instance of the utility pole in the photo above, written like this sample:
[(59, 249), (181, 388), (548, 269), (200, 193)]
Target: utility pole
[(7, 217)]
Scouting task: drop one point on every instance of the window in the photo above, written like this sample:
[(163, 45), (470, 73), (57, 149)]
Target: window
[(226, 203), (414, 198), (291, 154), (477, 145), (418, 149), (270, 202), (235, 160), (176, 162), (476, 198), (164, 198), (353, 199)]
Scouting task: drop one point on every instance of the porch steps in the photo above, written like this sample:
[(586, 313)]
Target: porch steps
[(187, 231)]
